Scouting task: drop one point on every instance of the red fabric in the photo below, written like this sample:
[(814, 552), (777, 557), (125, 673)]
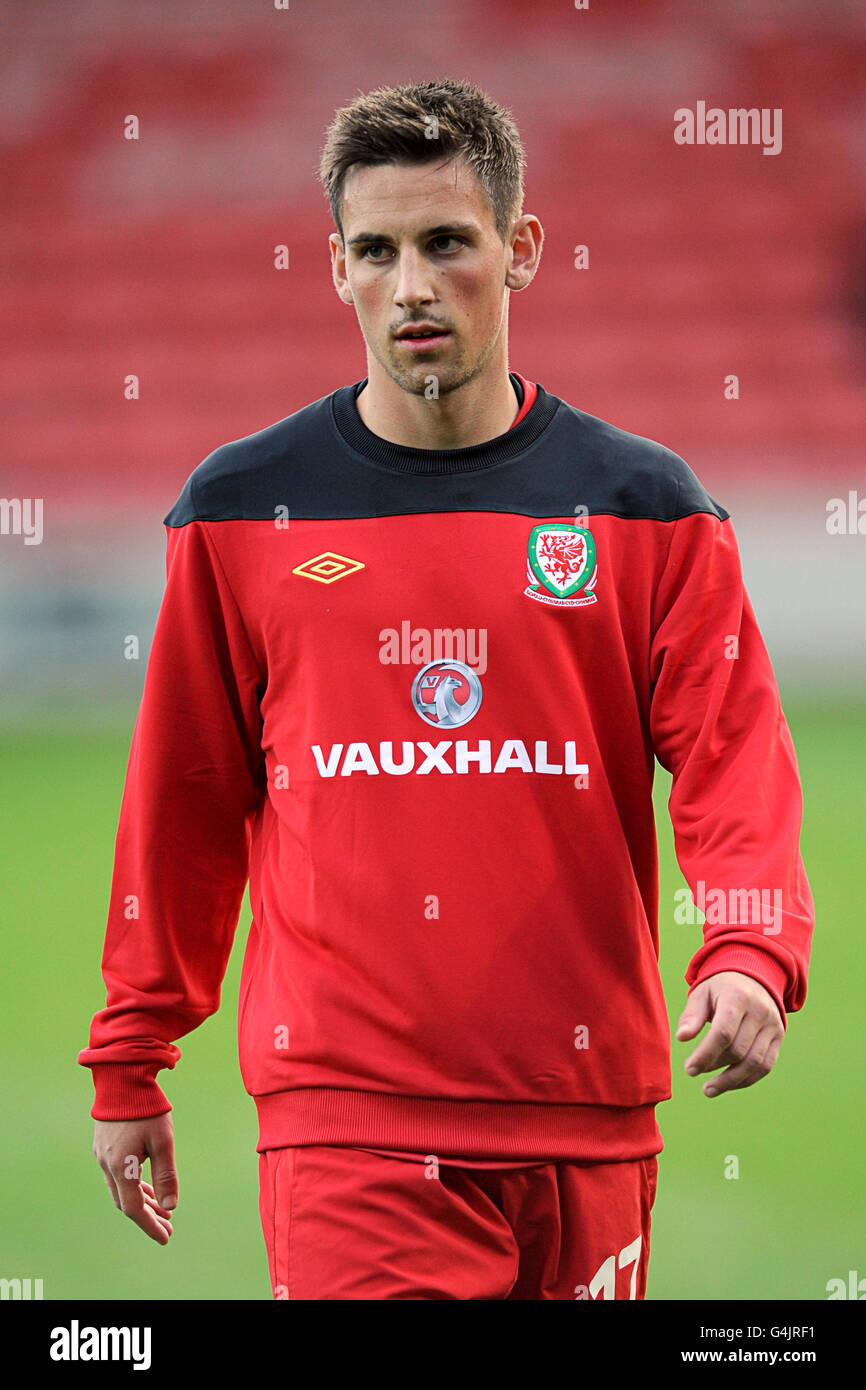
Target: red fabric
[(357, 1224), (530, 391), (544, 886), (482, 1128)]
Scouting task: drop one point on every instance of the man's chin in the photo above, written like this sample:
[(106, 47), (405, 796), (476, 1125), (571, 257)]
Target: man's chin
[(416, 378)]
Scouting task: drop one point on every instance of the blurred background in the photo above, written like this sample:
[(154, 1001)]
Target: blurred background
[(153, 258)]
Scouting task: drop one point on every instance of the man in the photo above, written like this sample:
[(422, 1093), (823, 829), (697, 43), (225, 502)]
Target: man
[(419, 645)]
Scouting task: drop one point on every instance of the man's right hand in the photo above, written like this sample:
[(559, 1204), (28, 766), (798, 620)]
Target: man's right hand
[(121, 1147)]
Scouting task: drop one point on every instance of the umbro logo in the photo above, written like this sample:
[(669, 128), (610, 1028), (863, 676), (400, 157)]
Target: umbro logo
[(328, 567)]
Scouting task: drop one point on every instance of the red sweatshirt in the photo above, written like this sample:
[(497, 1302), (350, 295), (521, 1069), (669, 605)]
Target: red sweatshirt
[(415, 697)]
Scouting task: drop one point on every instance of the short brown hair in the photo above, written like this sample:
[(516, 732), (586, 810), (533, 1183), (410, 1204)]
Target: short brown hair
[(392, 125)]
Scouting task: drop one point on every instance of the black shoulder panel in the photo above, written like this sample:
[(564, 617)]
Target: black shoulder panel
[(558, 462), (237, 481), (629, 475)]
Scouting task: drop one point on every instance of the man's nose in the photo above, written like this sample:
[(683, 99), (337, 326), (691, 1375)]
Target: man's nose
[(414, 284)]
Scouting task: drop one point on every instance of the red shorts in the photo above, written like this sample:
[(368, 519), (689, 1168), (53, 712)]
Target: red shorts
[(357, 1223)]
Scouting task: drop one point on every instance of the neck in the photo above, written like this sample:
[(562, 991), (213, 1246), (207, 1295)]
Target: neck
[(480, 409)]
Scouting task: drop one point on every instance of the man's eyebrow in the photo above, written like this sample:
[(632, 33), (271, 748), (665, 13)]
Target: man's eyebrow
[(441, 230)]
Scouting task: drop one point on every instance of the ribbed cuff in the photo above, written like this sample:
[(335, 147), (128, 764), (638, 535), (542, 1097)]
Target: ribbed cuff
[(760, 965), (127, 1091)]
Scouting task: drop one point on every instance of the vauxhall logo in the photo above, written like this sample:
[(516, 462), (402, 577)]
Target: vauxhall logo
[(447, 694)]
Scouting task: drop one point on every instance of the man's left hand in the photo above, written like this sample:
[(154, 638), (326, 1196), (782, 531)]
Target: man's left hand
[(746, 1032)]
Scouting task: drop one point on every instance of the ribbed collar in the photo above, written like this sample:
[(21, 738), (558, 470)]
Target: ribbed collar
[(505, 446)]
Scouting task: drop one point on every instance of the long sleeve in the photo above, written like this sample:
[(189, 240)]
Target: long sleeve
[(736, 802), (193, 784)]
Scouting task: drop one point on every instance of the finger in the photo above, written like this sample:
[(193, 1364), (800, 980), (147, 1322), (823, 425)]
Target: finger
[(758, 1018), (133, 1205), (151, 1198), (773, 1050), (751, 1026), (710, 1052), (163, 1171), (112, 1187), (696, 1013), (153, 1225), (164, 1221), (750, 1069)]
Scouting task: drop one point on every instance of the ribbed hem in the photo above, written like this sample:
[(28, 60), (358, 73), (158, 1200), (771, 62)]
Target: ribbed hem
[(127, 1091), (759, 965), (457, 1128)]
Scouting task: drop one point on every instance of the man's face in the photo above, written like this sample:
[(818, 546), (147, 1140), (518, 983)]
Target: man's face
[(421, 246)]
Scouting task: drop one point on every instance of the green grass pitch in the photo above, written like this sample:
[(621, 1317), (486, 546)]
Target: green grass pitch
[(791, 1221)]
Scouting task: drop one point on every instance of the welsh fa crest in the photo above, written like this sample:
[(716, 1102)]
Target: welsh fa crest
[(561, 565)]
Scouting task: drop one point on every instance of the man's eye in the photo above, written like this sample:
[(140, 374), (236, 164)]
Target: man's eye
[(380, 246)]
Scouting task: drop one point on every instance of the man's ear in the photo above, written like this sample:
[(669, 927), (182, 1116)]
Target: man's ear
[(527, 239), (338, 267)]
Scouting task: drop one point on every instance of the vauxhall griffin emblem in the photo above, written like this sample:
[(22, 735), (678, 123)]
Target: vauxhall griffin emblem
[(446, 693)]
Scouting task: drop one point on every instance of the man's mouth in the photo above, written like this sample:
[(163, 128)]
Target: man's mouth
[(427, 336)]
